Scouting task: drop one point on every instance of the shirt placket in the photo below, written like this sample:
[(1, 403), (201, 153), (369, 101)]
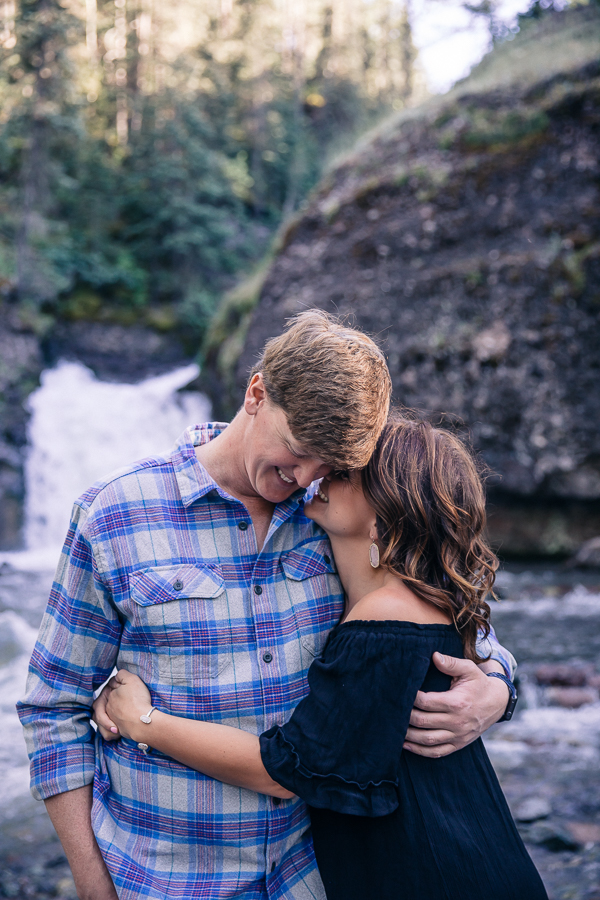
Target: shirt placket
[(270, 652)]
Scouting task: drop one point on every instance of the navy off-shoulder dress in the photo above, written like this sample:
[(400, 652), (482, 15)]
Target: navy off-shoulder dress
[(387, 824)]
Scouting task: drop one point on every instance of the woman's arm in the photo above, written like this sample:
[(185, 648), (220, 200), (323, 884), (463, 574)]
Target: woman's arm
[(220, 751)]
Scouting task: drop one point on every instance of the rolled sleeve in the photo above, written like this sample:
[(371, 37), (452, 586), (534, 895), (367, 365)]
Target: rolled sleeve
[(75, 653), (492, 647)]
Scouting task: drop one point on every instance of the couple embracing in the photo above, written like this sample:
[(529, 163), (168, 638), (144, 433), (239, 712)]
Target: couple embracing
[(296, 606)]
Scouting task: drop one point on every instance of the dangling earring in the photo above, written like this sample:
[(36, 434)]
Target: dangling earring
[(374, 555)]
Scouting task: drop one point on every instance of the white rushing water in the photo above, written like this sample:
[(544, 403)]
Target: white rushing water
[(80, 430)]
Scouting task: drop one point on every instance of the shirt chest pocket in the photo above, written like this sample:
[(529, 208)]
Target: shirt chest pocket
[(180, 616), (315, 595)]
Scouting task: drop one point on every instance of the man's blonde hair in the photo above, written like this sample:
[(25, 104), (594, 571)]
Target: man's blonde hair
[(332, 383)]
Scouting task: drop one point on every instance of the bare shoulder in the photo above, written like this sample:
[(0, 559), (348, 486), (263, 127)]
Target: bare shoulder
[(387, 604)]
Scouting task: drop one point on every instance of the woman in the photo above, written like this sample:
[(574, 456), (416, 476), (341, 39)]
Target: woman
[(406, 533)]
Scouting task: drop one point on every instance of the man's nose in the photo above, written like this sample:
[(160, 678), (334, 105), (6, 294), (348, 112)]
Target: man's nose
[(306, 473)]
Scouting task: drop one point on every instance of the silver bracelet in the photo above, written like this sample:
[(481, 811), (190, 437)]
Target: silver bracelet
[(146, 719)]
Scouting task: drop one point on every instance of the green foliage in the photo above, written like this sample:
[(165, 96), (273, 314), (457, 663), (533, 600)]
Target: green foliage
[(135, 190)]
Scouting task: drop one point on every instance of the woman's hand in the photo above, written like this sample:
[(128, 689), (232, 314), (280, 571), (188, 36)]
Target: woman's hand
[(118, 709)]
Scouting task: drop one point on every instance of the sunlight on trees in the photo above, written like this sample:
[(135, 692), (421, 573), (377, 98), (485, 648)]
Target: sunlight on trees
[(148, 152)]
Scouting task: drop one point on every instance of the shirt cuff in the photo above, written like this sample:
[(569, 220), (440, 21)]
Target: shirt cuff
[(60, 769), (500, 654)]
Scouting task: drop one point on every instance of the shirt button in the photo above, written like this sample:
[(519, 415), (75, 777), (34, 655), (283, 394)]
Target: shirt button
[(327, 559), (257, 589), (177, 586), (273, 866), (276, 801), (268, 657), (243, 526)]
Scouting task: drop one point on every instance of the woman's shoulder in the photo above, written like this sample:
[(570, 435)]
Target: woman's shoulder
[(390, 605)]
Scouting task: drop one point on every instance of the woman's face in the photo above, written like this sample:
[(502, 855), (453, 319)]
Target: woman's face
[(341, 508)]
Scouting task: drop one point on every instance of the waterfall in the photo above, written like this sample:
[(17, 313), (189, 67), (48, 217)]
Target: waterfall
[(81, 429)]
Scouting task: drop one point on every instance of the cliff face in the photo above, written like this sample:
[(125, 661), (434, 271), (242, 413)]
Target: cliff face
[(466, 237), (20, 367)]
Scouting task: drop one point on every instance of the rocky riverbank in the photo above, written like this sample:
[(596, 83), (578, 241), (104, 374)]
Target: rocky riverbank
[(547, 758)]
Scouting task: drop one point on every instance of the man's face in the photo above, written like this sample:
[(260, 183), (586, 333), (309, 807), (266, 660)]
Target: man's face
[(276, 464)]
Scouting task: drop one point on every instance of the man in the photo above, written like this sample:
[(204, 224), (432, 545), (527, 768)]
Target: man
[(200, 573)]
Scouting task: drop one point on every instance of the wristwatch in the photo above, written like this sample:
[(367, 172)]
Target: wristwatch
[(512, 700)]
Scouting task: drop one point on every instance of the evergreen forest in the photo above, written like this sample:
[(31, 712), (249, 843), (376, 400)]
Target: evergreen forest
[(149, 152)]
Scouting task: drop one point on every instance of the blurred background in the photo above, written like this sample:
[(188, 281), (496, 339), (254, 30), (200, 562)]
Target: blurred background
[(178, 179)]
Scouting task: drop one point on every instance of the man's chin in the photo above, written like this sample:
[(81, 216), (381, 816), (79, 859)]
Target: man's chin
[(278, 493)]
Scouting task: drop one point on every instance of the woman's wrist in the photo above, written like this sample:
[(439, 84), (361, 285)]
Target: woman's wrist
[(148, 733)]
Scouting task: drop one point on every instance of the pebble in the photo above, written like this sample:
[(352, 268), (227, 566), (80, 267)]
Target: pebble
[(533, 808), (551, 836), (571, 697), (563, 675)]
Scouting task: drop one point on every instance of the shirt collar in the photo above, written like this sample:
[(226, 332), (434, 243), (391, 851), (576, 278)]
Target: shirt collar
[(194, 481)]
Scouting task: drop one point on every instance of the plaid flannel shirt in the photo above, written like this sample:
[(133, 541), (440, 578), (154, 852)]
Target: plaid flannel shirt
[(160, 574)]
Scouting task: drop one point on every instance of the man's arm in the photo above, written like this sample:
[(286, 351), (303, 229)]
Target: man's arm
[(441, 723), (70, 814), (75, 652)]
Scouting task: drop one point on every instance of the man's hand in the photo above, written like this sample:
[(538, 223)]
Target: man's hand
[(441, 723)]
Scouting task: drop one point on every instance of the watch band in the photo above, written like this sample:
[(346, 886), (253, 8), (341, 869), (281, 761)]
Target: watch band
[(512, 700)]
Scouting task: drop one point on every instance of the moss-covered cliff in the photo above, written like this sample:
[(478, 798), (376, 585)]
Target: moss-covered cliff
[(466, 236)]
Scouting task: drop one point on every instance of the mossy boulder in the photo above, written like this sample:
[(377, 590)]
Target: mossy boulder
[(465, 236)]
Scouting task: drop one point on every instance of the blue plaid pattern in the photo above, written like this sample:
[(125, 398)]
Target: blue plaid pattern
[(160, 575)]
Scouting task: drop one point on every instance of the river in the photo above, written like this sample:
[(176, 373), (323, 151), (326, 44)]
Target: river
[(548, 757)]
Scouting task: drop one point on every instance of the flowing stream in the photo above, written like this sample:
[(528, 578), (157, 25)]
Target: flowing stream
[(81, 429)]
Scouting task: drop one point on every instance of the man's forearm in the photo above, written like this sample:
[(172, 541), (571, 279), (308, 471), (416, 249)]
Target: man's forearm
[(70, 814)]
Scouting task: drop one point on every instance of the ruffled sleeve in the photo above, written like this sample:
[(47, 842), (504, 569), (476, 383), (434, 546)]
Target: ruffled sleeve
[(341, 748)]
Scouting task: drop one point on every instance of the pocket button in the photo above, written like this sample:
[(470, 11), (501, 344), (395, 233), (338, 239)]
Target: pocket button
[(178, 585)]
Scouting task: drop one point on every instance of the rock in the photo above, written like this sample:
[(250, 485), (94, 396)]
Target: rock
[(474, 276), (588, 554), (552, 836), (492, 343), (20, 366), (585, 832), (563, 675), (533, 808), (571, 698)]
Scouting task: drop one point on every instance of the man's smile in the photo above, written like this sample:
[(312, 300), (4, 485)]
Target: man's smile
[(284, 477)]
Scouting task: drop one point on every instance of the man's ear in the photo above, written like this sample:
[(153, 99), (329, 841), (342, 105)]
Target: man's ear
[(256, 394)]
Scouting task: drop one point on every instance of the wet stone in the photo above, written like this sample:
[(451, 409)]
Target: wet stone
[(550, 835), (533, 808), (571, 698)]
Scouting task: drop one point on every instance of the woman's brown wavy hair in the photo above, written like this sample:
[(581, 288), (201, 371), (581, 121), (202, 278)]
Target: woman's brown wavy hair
[(428, 496)]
